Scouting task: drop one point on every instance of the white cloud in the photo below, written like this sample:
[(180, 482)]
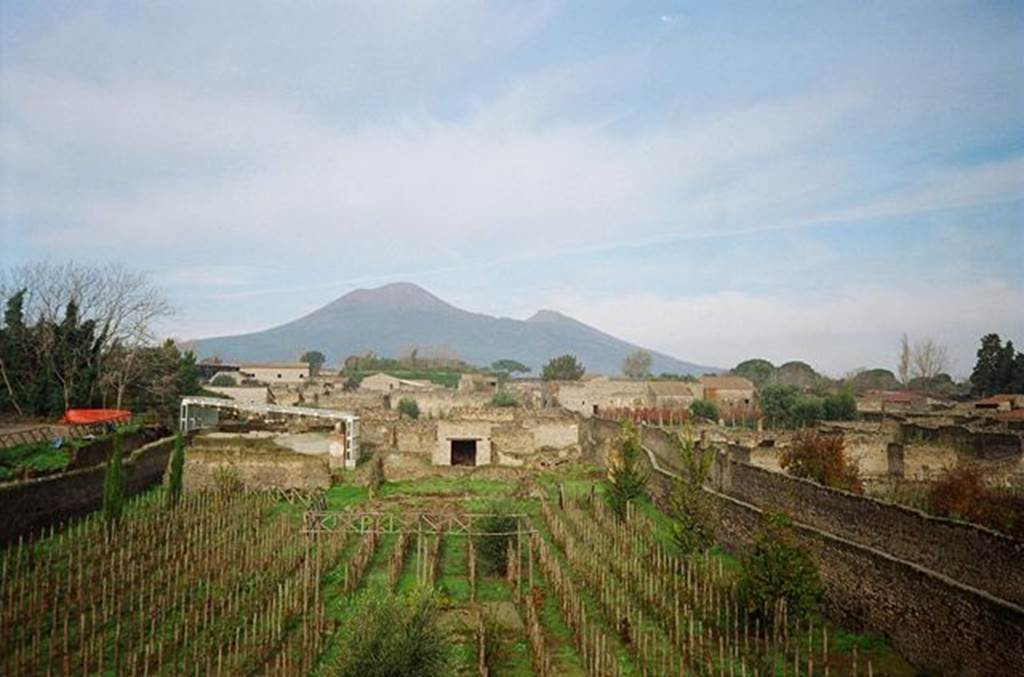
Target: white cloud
[(835, 332)]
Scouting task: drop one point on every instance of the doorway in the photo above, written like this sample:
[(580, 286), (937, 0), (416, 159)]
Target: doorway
[(463, 452)]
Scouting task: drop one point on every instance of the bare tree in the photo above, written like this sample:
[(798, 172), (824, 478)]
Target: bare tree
[(929, 359), (903, 366), (123, 303)]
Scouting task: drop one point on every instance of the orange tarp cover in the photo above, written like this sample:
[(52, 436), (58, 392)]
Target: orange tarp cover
[(85, 416)]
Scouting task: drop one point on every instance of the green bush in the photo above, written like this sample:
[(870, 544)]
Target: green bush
[(704, 409), (503, 398), (491, 546), (807, 410), (776, 569), (840, 407), (388, 635), (627, 480), (408, 407)]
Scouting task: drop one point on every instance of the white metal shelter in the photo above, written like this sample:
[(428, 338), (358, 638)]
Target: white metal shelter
[(201, 412)]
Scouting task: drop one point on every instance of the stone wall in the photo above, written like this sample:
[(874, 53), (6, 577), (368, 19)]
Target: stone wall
[(965, 552), (27, 507), (255, 464), (98, 451), (982, 444), (936, 622)]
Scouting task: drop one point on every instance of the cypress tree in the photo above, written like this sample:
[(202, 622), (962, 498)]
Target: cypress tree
[(113, 486), (174, 483)]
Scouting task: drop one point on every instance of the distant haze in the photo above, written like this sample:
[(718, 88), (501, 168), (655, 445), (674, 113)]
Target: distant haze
[(393, 319)]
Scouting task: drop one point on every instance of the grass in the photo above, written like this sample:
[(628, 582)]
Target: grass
[(40, 457), (449, 379)]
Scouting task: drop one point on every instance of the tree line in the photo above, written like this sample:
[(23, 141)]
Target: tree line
[(76, 335)]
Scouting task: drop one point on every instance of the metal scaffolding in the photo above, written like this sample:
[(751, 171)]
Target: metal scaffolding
[(195, 413)]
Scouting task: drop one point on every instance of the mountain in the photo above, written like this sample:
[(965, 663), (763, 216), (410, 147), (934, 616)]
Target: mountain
[(390, 320)]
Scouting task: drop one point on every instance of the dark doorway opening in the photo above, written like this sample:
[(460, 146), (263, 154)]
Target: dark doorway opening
[(463, 452)]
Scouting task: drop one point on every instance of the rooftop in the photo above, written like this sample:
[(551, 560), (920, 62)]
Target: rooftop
[(726, 382)]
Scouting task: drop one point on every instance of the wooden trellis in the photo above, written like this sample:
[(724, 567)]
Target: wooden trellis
[(330, 521)]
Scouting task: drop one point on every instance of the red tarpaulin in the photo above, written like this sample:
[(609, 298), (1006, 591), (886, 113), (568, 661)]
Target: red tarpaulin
[(87, 416)]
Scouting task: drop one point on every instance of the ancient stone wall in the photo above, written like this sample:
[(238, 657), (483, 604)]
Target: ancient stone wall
[(27, 507), (936, 622), (255, 464), (965, 552), (982, 444)]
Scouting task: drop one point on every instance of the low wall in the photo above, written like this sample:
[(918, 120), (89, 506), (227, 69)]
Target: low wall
[(100, 450), (971, 554), (982, 444), (28, 507), (254, 464)]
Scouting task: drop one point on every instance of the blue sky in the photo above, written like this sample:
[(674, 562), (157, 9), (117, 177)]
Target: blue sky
[(714, 180)]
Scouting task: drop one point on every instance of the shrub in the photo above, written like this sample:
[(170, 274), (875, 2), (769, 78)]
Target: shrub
[(176, 479), (389, 634), (807, 410), (961, 493), (504, 398), (627, 481), (113, 485), (777, 402), (223, 381), (408, 407), (693, 517), (704, 409), (776, 569), (840, 407), (491, 546), (822, 458)]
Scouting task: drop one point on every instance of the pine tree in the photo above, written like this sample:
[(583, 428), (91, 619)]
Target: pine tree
[(113, 486), (174, 483)]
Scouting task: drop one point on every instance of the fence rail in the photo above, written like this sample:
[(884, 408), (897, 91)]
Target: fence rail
[(330, 521)]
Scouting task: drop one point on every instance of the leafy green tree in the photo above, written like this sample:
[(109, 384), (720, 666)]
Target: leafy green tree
[(776, 569), (627, 479), (388, 635), (113, 486), (693, 515), (563, 368), (315, 359), (408, 407), (998, 368), (509, 367), (777, 401), (840, 406), (637, 365), (704, 409), (807, 410), (176, 479), (757, 371), (872, 379)]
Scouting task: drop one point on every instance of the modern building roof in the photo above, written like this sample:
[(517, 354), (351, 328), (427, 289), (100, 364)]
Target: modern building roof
[(276, 365)]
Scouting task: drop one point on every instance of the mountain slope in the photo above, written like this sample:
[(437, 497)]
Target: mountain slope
[(392, 319)]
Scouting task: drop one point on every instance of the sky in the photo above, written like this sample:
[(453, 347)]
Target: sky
[(717, 181)]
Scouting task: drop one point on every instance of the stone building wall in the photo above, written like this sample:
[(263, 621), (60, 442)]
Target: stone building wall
[(982, 444), (257, 464)]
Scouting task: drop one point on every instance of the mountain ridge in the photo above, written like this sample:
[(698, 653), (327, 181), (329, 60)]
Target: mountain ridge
[(394, 318)]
